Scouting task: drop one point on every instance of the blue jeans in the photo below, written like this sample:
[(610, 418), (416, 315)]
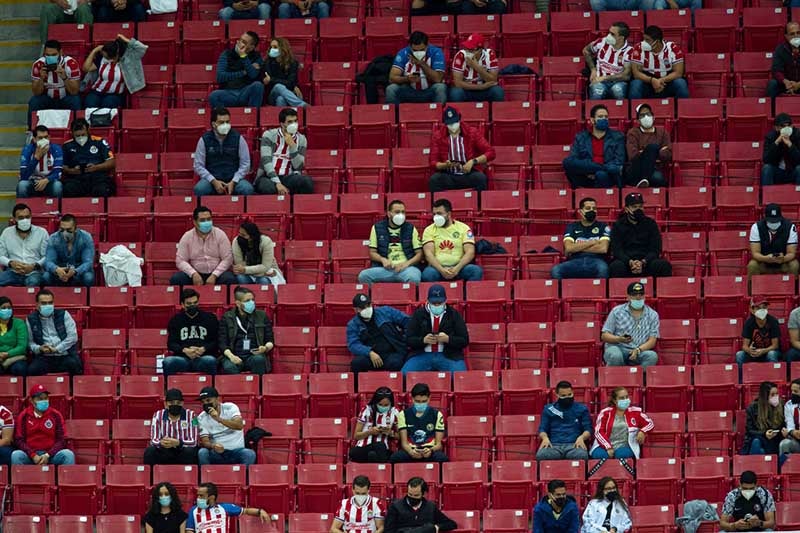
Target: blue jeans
[(623, 452), (618, 90), (428, 362), (676, 88), (468, 273), (770, 175), (584, 266), (180, 278), (392, 362), (25, 189), (42, 101), (619, 356), (492, 94), (20, 368), (248, 96), (320, 10), (204, 188), (492, 7), (64, 457), (402, 456), (400, 94), (742, 357), (620, 5), (281, 96), (96, 99), (9, 278), (691, 4), (261, 13), (177, 364), (135, 12), (792, 354), (242, 456), (78, 280), (385, 275), (244, 279)]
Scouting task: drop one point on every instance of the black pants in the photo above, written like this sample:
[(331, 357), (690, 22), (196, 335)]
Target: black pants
[(377, 452), (296, 183), (442, 181), (656, 268), (392, 362), (643, 166), (45, 364), (88, 187), (186, 455)]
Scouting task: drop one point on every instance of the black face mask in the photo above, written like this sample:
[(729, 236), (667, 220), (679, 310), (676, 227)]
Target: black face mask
[(244, 244), (413, 502), (590, 216), (207, 407), (566, 403), (192, 310), (561, 501), (796, 399), (611, 496), (175, 410), (637, 215)]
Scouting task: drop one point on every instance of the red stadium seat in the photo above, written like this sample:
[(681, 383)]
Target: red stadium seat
[(439, 28), (666, 437), (728, 252), (24, 523), (126, 221), (95, 396), (762, 26), (140, 396), (202, 39), (668, 388), (514, 484), (349, 257), (11, 394), (475, 393), (80, 489), (33, 489), (519, 87), (486, 346), (87, 439), (464, 485), (517, 437), (559, 121), (410, 172), (58, 388), (470, 438), (172, 217), (725, 296), (699, 119), (282, 447), (693, 164), (611, 377), (549, 208), (524, 391), (302, 36), (127, 487), (487, 301), (104, 350), (117, 524), (708, 76), (294, 345), (530, 344), (74, 38), (313, 216), (573, 473), (333, 83), (467, 521), (658, 481), (747, 119), (675, 23), (270, 214), (751, 71), (512, 123), (707, 477), (129, 439), (439, 384), (765, 467), (385, 35), (417, 122), (653, 518), (568, 32), (324, 440), (678, 297), (158, 93), (373, 125), (177, 175), (536, 300), (185, 126), (713, 385), (339, 39), (193, 84), (319, 487), (524, 34), (583, 299), (163, 40), (271, 487), (333, 354), (710, 433), (70, 524), (779, 290), (331, 395), (142, 131), (190, 385), (229, 479)]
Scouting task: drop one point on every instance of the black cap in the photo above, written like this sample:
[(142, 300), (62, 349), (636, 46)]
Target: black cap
[(173, 394), (208, 392), (436, 294), (783, 119), (450, 115), (633, 198), (642, 106), (748, 476), (635, 289), (773, 213), (361, 300)]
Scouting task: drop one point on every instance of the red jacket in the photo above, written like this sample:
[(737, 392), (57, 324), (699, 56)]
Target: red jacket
[(40, 433), (474, 145), (637, 421)]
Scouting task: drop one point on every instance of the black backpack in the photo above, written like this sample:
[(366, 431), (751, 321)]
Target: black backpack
[(376, 73)]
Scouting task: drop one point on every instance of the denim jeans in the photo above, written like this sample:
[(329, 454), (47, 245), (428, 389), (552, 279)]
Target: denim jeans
[(792, 354), (676, 88), (623, 452), (320, 10), (78, 280), (9, 278), (64, 457), (204, 188), (770, 175), (691, 4), (180, 278), (401, 94), (96, 99), (248, 96), (177, 364), (468, 273), (428, 362), (257, 364), (602, 179), (5, 455), (492, 94), (386, 275), (242, 456), (135, 12), (25, 189), (621, 5), (559, 451), (492, 7), (244, 279), (618, 90), (20, 368), (401, 456), (619, 356), (742, 357), (392, 362), (261, 12), (584, 266), (47, 364), (281, 96)]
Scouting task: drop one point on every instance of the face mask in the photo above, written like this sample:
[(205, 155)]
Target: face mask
[(68, 236), (786, 131), (647, 121), (249, 306), (646, 47), (637, 304), (366, 313), (24, 224), (560, 501), (624, 404), (291, 129), (5, 314), (774, 226), (46, 310), (82, 139), (439, 221), (565, 403), (601, 124), (795, 41), (205, 226), (611, 496), (454, 127), (360, 499), (761, 314), (43, 143), (274, 53), (53, 60), (420, 54), (637, 215), (469, 55), (413, 502), (192, 310), (611, 40), (224, 128), (795, 397), (748, 493), (383, 409), (202, 503), (175, 410), (164, 501), (420, 407), (436, 310), (590, 216), (774, 401), (42, 405), (398, 219)]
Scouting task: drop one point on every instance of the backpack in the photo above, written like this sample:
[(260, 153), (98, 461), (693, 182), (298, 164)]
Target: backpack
[(376, 73)]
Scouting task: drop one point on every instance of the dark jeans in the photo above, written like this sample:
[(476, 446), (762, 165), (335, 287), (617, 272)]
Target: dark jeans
[(377, 452), (492, 7), (578, 173), (180, 278), (20, 368), (170, 456), (46, 364), (656, 268), (792, 354), (676, 88), (176, 364), (771, 175), (400, 94), (5, 455), (444, 181), (584, 266), (296, 183), (401, 456), (643, 166), (775, 88), (87, 186), (257, 364), (97, 99), (134, 12), (391, 363)]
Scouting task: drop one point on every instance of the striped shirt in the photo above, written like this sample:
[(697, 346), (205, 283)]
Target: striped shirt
[(458, 154), (388, 419), (184, 429), (487, 59), (6, 418), (109, 78), (660, 64), (281, 157), (610, 61), (212, 520), (621, 321), (54, 86), (360, 518)]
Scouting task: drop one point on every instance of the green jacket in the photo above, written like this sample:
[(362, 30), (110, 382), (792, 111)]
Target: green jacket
[(15, 342)]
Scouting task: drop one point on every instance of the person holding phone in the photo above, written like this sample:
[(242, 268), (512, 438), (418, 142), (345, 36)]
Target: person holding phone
[(221, 432), (749, 507), (421, 430), (765, 422), (631, 331)]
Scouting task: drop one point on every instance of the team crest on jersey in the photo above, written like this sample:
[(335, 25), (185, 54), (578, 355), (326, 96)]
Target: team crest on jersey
[(429, 427), (456, 234), (595, 230), (93, 150), (48, 424)]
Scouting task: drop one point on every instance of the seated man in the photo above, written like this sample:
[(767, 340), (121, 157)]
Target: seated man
[(421, 429), (417, 74), (53, 338), (40, 167), (585, 245), (239, 75), (23, 247), (773, 244), (245, 9), (119, 10), (221, 432), (209, 515), (631, 331), (245, 336), (88, 164), (361, 512), (192, 337), (56, 78), (376, 336), (791, 415), (173, 433), (449, 247), (222, 158), (204, 254), (750, 507), (620, 5), (781, 153), (458, 152), (475, 69), (761, 335), (636, 243), (283, 158), (415, 513), (556, 512), (786, 64), (39, 435), (295, 9), (437, 336), (596, 157), (394, 249), (657, 67), (565, 427), (6, 435), (70, 255), (793, 354), (649, 151), (64, 12), (608, 61)]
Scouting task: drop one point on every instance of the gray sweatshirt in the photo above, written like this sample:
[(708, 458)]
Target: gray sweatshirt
[(269, 145)]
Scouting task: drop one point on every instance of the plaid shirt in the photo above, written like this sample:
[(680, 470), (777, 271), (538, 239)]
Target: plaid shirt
[(620, 321)]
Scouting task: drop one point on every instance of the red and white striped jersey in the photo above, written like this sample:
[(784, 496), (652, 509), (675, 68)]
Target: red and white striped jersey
[(282, 161), (6, 418), (184, 429), (212, 520), (360, 519), (109, 78), (487, 59), (54, 86), (610, 61), (388, 419), (658, 65)]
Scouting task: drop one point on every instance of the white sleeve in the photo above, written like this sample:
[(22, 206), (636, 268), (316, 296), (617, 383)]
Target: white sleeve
[(754, 237), (792, 235), (788, 415)]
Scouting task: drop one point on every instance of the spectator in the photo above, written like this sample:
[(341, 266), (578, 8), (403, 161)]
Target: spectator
[(376, 426), (417, 74), (585, 244), (631, 331), (209, 516), (475, 66), (765, 422), (438, 335), (677, 4), (793, 354), (556, 512), (55, 78), (283, 158), (415, 512), (649, 151), (254, 257), (245, 336), (620, 5), (221, 432), (165, 515), (173, 433), (40, 437), (620, 429), (565, 428), (244, 10), (119, 10), (192, 338), (361, 513), (781, 153), (64, 12), (748, 508), (119, 68), (657, 67), (69, 259), (421, 430), (761, 335), (607, 510), (280, 73), (222, 159), (608, 59), (52, 338), (40, 167), (239, 75), (204, 254), (458, 154), (376, 336), (22, 250), (773, 244), (394, 249), (291, 9), (596, 157), (88, 164), (438, 7), (480, 7), (636, 243), (6, 434), (786, 64), (449, 247), (13, 344)]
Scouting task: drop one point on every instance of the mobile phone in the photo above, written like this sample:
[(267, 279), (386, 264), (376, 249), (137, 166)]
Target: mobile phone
[(628, 336)]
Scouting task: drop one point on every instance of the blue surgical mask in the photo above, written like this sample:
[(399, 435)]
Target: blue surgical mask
[(51, 60), (601, 124), (42, 405), (383, 409), (164, 501), (624, 404), (5, 314), (205, 226), (637, 304), (202, 503), (274, 53), (46, 310), (436, 310), (420, 407), (249, 306)]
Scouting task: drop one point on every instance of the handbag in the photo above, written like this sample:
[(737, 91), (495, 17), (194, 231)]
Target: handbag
[(100, 118)]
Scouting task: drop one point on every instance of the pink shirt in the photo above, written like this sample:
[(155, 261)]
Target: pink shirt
[(207, 255)]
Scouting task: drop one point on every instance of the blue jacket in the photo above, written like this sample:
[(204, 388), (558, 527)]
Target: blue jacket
[(545, 522), (28, 165), (564, 427), (82, 256), (580, 156), (390, 321)]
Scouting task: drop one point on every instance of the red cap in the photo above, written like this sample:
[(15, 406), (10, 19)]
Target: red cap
[(758, 300), (474, 41), (36, 390)]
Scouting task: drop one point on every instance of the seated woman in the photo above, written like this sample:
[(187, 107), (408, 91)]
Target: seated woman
[(280, 75), (375, 428), (764, 422), (13, 340), (254, 257), (166, 515), (118, 64), (607, 510), (620, 428)]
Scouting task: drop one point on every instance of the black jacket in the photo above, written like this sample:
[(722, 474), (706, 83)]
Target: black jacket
[(288, 78), (202, 330), (452, 324), (229, 330), (773, 154), (635, 241), (752, 431), (401, 517)]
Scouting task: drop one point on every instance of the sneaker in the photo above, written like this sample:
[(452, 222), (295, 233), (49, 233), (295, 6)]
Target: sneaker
[(643, 183)]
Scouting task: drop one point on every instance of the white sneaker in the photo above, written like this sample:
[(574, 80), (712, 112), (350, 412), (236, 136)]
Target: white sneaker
[(643, 183)]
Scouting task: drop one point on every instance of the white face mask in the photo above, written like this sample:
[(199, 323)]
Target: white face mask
[(366, 313), (773, 226), (647, 121), (24, 224), (749, 493), (360, 499), (795, 41), (761, 314), (786, 131), (291, 129), (420, 54), (224, 128), (398, 219), (646, 47), (454, 127), (468, 54), (439, 221), (610, 39), (43, 143), (82, 139)]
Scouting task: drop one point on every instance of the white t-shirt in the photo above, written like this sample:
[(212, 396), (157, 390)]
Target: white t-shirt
[(218, 434), (754, 237)]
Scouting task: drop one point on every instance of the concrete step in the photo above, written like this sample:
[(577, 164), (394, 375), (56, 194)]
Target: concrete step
[(20, 8), (14, 92), (13, 114), (20, 50), (8, 194), (16, 70), (9, 158), (19, 28)]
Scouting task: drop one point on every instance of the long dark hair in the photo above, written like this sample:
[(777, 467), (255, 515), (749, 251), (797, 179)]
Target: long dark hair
[(599, 495), (174, 505), (380, 394), (251, 250), (768, 417)]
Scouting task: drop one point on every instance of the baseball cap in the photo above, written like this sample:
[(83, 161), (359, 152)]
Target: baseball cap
[(474, 40), (436, 294), (173, 394), (758, 300), (633, 198), (38, 389), (361, 300), (450, 115), (783, 119), (635, 289), (642, 106), (208, 392), (773, 213)]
